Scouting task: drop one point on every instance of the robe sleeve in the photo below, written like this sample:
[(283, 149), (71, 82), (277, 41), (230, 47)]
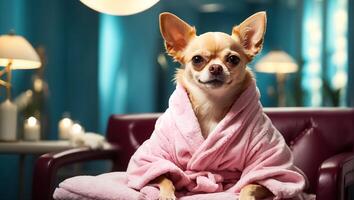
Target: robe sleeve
[(269, 162), (153, 158)]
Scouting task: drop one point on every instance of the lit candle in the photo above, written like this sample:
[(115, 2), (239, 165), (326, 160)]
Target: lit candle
[(64, 128), (32, 129), (8, 121), (76, 134), (76, 130)]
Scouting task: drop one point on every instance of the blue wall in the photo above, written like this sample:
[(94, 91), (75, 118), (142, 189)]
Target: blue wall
[(128, 67), (69, 32)]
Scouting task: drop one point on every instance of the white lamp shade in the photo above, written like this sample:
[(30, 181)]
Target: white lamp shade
[(17, 50), (119, 7), (277, 62)]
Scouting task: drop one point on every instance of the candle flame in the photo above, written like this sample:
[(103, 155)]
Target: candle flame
[(32, 121)]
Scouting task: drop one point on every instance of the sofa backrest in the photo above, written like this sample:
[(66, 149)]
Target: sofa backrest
[(313, 134)]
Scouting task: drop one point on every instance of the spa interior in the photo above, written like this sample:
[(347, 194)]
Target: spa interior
[(67, 66)]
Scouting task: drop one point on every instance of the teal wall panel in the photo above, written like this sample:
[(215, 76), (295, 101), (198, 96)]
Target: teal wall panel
[(127, 63)]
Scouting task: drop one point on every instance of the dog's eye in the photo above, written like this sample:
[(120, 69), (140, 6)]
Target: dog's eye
[(234, 60), (196, 60)]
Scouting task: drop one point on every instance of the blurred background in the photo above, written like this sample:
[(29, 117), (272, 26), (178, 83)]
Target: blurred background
[(95, 64)]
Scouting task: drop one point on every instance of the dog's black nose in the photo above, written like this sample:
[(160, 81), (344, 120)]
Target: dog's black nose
[(215, 69)]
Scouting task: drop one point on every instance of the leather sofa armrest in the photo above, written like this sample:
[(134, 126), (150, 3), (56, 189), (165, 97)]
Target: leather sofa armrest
[(335, 175), (47, 165)]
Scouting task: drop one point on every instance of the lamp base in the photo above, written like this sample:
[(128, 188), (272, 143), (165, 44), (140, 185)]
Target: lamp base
[(7, 83), (281, 77)]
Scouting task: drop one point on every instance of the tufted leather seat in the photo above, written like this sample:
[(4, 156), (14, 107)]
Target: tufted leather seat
[(322, 141)]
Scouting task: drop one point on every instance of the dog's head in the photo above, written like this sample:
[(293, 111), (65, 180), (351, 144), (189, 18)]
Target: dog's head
[(214, 62)]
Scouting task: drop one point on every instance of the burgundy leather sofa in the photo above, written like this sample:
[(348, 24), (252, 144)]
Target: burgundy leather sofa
[(322, 140)]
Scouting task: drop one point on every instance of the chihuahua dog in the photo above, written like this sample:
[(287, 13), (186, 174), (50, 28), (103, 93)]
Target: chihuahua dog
[(214, 73)]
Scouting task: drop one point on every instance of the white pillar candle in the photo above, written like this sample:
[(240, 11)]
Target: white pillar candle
[(76, 134), (76, 130), (8, 121), (32, 129), (64, 127)]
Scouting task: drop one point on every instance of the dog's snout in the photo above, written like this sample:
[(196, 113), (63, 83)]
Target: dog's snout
[(215, 69)]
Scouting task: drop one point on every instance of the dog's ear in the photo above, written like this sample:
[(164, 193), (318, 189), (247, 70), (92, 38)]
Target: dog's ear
[(251, 33), (176, 34)]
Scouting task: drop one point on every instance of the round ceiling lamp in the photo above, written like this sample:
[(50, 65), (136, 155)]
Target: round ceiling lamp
[(119, 7)]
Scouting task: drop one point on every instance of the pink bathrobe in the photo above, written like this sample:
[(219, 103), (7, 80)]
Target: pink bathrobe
[(244, 148)]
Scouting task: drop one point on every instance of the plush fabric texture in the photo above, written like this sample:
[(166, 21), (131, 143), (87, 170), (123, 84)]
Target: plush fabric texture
[(110, 186), (244, 148)]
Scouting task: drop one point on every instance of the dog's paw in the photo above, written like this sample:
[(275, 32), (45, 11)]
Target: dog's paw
[(253, 192), (167, 196), (167, 189)]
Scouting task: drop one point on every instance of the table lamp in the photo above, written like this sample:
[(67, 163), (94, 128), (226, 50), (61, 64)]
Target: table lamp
[(280, 63), (15, 53), (119, 7)]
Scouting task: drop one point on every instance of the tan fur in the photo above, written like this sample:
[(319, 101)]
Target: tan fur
[(253, 192), (208, 109), (175, 42), (209, 106), (210, 101), (175, 53), (167, 190), (244, 31)]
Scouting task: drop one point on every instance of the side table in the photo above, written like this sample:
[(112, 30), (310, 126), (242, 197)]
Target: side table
[(23, 148)]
